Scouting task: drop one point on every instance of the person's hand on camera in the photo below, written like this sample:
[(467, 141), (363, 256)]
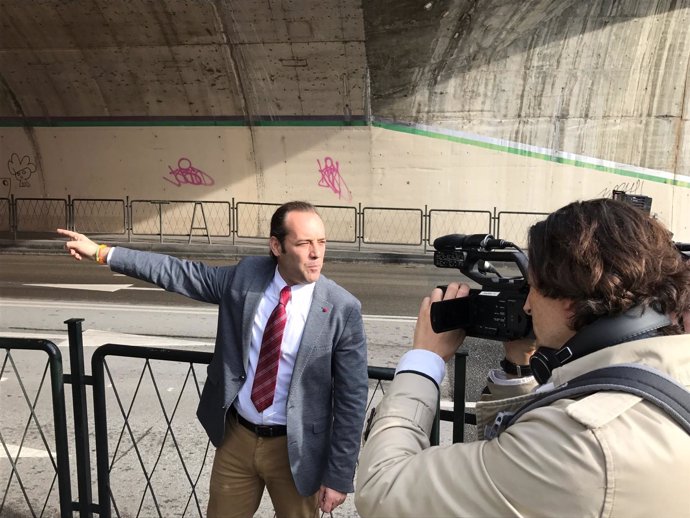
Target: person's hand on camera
[(443, 344), (79, 245)]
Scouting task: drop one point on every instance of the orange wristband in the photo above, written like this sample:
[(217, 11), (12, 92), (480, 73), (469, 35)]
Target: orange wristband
[(100, 256)]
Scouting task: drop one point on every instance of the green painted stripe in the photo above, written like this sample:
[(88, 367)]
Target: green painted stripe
[(527, 153)]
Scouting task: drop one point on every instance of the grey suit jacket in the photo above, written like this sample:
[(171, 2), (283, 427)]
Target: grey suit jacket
[(327, 395)]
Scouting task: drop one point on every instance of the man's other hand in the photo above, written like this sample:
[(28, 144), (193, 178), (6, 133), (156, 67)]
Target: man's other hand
[(79, 246), (329, 499), (443, 344)]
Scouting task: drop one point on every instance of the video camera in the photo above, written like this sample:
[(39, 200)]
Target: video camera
[(495, 311)]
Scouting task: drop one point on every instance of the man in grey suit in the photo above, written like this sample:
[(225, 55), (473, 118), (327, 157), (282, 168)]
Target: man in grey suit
[(302, 439)]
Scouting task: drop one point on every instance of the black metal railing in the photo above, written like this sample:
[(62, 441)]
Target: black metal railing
[(216, 222), (10, 373), (144, 465)]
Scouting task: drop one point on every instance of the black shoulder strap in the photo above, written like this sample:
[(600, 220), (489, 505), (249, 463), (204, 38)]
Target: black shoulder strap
[(645, 382)]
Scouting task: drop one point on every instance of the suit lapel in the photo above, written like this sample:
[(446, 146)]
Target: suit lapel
[(317, 320), (255, 291)]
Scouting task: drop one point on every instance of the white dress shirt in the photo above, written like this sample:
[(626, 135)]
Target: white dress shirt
[(297, 310)]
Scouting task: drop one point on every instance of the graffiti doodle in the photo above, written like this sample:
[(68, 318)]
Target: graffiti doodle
[(628, 187), (21, 169), (330, 177), (187, 174)]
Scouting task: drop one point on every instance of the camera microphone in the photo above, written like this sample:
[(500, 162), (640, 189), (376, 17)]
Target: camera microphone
[(459, 241)]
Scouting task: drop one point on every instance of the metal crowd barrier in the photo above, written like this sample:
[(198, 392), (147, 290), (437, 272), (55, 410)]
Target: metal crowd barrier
[(225, 222), (144, 467)]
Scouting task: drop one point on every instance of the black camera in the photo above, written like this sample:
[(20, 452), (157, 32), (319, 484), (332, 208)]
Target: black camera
[(495, 311)]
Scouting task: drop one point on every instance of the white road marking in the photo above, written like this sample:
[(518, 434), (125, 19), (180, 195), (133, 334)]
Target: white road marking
[(96, 287), (22, 303), (188, 310), (88, 287), (26, 452)]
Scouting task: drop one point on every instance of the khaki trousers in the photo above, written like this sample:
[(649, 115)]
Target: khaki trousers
[(243, 466)]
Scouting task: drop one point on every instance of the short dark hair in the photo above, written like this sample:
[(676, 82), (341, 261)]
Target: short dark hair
[(608, 256), (278, 229)]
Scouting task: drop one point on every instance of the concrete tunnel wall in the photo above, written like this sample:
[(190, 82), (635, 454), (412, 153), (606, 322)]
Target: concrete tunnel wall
[(451, 104), (374, 166)]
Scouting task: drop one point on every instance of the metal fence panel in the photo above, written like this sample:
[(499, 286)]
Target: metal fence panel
[(40, 214), (444, 222), (513, 226), (93, 216), (390, 226), (5, 215), (181, 218), (150, 460), (35, 478), (149, 463), (340, 223), (253, 220)]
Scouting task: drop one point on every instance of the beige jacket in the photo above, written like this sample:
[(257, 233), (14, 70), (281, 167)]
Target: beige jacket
[(608, 454)]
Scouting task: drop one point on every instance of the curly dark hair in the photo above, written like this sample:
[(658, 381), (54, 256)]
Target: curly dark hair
[(608, 256)]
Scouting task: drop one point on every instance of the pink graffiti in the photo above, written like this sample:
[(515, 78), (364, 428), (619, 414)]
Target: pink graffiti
[(186, 174), (330, 177)]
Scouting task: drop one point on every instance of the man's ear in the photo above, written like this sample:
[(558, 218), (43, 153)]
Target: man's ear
[(567, 306), (274, 244)]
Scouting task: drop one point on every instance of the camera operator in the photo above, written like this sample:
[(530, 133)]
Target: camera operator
[(592, 265)]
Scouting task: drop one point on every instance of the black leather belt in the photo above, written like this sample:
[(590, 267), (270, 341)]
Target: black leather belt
[(261, 430)]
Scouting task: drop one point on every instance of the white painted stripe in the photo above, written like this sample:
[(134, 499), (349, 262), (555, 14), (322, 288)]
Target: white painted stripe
[(19, 303), (190, 310), (388, 318), (26, 452), (97, 287), (89, 287)]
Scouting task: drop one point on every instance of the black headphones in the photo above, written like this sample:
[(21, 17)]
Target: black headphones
[(603, 332)]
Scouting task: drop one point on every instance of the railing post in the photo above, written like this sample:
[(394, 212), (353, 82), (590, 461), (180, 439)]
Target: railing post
[(101, 431), (358, 226), (60, 424), (459, 397), (70, 213), (79, 380), (233, 220), (128, 219), (13, 217), (426, 228)]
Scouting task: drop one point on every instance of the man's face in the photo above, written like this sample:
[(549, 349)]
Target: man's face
[(305, 247), (550, 318)]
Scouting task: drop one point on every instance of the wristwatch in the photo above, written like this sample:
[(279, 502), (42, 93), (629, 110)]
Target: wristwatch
[(517, 370)]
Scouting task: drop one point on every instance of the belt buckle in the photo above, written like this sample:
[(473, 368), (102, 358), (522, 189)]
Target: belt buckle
[(263, 430)]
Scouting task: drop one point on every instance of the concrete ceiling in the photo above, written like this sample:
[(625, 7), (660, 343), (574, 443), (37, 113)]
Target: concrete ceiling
[(85, 58), (604, 78)]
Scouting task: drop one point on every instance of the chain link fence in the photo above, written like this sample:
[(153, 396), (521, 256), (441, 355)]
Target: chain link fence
[(93, 216), (513, 226), (40, 214), (215, 221), (5, 215)]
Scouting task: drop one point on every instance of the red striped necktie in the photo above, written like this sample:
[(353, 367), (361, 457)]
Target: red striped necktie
[(267, 368)]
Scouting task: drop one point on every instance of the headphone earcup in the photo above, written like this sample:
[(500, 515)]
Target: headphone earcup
[(542, 363)]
